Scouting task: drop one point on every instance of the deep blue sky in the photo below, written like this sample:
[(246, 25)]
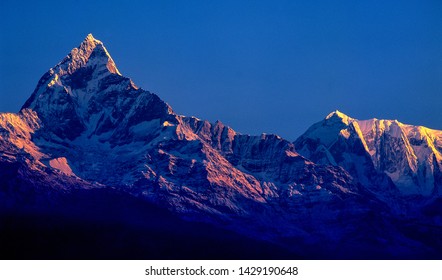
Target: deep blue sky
[(258, 66)]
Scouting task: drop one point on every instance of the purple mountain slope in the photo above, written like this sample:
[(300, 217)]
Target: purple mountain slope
[(87, 128)]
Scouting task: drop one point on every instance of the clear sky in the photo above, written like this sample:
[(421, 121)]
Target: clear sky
[(258, 66)]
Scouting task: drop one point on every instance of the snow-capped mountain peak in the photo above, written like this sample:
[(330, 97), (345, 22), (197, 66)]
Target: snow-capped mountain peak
[(87, 128), (90, 37), (409, 155), (86, 89), (82, 68), (337, 115), (90, 53)]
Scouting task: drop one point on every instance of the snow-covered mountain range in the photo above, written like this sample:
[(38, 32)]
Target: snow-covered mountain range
[(354, 185), (411, 156)]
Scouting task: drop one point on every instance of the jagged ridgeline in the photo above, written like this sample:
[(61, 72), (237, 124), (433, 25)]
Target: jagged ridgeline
[(105, 162)]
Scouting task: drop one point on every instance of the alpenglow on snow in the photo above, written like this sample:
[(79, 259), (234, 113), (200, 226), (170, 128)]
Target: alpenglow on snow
[(359, 186)]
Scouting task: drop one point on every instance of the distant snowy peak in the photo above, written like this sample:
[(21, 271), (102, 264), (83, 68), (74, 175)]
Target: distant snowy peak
[(410, 155), (90, 53), (339, 116), (326, 131)]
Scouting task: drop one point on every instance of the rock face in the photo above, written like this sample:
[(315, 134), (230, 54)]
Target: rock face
[(86, 128)]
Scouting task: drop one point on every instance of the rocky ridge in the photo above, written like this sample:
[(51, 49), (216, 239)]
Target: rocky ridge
[(87, 127)]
